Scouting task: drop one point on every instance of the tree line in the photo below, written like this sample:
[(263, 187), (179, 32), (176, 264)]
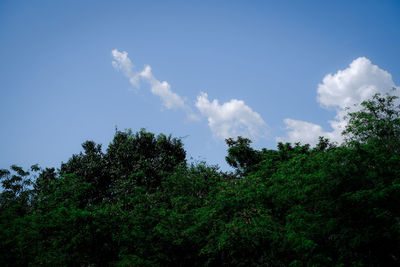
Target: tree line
[(140, 203)]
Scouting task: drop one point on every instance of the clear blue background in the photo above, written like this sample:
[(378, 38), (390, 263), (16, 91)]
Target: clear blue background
[(58, 87)]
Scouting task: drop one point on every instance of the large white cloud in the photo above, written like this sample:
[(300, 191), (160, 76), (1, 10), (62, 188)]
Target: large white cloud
[(231, 119), (162, 89), (344, 89), (350, 86)]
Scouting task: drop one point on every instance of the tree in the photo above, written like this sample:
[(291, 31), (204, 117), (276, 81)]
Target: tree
[(139, 203), (17, 237), (377, 121), (240, 155), (143, 159)]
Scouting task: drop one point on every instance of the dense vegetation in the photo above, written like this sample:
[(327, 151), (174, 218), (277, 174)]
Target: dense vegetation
[(139, 203)]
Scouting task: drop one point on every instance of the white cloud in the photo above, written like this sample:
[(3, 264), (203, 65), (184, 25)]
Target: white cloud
[(360, 81), (308, 133), (344, 89), (123, 63), (231, 119), (162, 89)]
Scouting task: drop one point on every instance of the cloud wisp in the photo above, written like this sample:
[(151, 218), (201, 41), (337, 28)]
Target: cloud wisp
[(344, 89), (231, 119), (162, 89)]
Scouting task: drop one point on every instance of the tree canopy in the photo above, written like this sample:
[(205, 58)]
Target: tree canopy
[(139, 203)]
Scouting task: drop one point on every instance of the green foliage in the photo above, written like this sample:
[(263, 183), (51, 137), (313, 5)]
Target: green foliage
[(377, 121), (143, 159), (241, 156), (16, 234), (140, 204)]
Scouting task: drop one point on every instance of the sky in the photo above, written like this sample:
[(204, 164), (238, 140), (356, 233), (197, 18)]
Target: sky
[(203, 71)]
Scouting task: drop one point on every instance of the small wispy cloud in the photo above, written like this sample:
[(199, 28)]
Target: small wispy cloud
[(162, 89), (231, 119), (344, 89), (122, 63)]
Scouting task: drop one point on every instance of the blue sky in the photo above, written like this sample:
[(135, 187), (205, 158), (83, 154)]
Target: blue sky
[(270, 70)]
